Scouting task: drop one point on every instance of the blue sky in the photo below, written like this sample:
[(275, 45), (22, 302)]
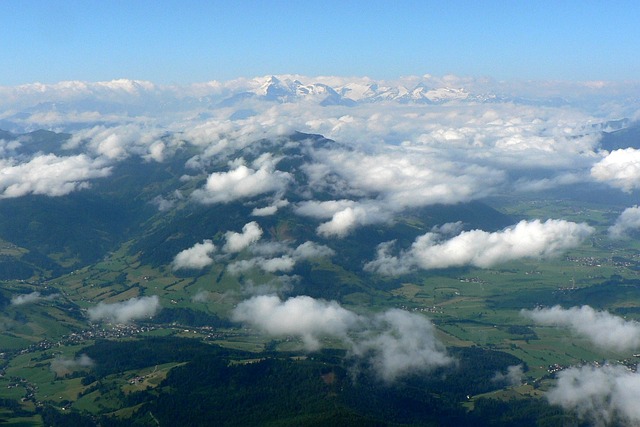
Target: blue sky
[(195, 41)]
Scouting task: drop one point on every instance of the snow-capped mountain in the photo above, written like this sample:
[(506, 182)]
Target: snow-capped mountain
[(76, 104), (284, 90), (89, 96)]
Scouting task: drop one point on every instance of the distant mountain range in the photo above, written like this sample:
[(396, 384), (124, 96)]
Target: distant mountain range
[(286, 90), (363, 250), (270, 88), (72, 105), (37, 102)]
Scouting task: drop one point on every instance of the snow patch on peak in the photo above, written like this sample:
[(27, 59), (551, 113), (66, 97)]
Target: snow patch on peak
[(446, 94)]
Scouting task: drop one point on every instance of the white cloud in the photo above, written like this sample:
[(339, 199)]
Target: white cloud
[(527, 239), (163, 204), (285, 262), (448, 228), (219, 134), (8, 147), (388, 264), (628, 220), (119, 142), (125, 311), (31, 298), (601, 395), (396, 343), (270, 210), (534, 185), (196, 257), (271, 265), (236, 242), (496, 135), (403, 154), (411, 176), (401, 343), (49, 175), (270, 248), (265, 211), (600, 327), (279, 285), (513, 377), (384, 179), (620, 169), (413, 155), (312, 250), (324, 209), (121, 90), (154, 96), (243, 182), (302, 316), (201, 296), (346, 220), (62, 366), (345, 215), (343, 222)]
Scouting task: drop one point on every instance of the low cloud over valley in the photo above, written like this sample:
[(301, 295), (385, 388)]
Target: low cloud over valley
[(534, 239), (602, 328), (403, 223), (394, 343), (125, 311)]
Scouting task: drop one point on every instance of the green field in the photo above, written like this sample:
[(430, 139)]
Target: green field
[(470, 307)]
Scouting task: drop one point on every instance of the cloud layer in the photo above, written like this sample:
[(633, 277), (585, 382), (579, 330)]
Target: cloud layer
[(600, 395), (303, 316), (600, 327), (620, 169), (62, 366), (122, 141), (125, 311), (513, 377), (395, 343), (243, 182), (412, 142), (49, 175), (31, 298), (527, 239), (628, 220), (274, 258), (401, 343)]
